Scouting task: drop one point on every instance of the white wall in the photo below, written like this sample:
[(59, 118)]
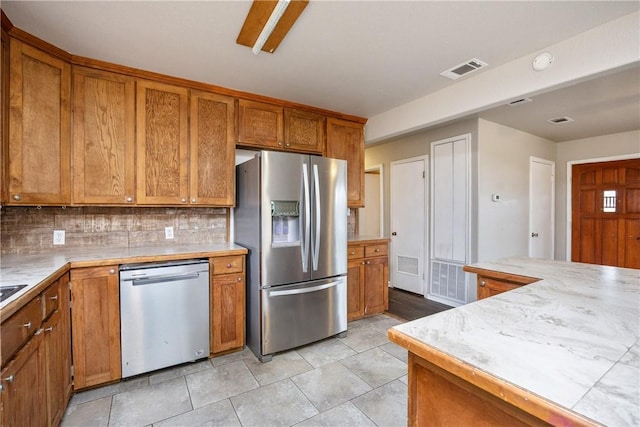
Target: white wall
[(619, 144), (369, 216), (503, 168)]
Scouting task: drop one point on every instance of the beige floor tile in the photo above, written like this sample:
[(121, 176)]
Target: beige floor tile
[(150, 404), (325, 352), (330, 385), (219, 414), (376, 367), (344, 415), (283, 365), (219, 383), (93, 413), (386, 405), (277, 404)]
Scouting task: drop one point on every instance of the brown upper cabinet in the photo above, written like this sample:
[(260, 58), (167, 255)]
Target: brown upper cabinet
[(260, 125), (303, 131), (161, 146), (103, 137), (212, 147), (345, 140), (273, 127), (39, 155)]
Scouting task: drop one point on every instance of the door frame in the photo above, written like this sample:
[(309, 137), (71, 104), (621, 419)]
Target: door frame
[(569, 211), (426, 223), (552, 214), (380, 169)]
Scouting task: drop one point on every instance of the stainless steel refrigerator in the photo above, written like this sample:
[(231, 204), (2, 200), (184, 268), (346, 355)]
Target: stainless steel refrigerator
[(291, 214)]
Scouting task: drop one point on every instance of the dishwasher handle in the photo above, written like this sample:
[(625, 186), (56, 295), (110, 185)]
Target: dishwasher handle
[(140, 281)]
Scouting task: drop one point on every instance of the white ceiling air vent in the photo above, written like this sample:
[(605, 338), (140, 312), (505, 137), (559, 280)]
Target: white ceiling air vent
[(463, 69), (560, 120), (519, 102)]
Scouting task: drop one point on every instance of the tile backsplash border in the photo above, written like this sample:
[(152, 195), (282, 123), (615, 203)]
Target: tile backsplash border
[(29, 230)]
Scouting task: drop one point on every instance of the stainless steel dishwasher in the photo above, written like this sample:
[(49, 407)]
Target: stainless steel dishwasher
[(164, 314)]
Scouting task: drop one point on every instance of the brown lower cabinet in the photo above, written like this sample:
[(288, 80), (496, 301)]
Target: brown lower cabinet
[(36, 383), (494, 283), (367, 279), (95, 324), (227, 302)]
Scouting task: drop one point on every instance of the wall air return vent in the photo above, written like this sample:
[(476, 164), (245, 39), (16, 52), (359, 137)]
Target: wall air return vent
[(520, 101), (560, 120), (463, 69)]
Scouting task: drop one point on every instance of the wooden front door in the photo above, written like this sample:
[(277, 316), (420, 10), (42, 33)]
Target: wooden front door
[(605, 200)]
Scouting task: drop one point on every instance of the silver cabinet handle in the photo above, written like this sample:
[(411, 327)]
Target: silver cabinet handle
[(27, 325), (49, 329), (483, 283), (112, 271), (54, 298), (10, 379)]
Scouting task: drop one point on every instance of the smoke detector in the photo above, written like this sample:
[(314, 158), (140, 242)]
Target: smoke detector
[(463, 69)]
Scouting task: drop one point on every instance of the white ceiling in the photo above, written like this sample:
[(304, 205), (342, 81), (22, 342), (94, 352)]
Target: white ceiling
[(356, 57)]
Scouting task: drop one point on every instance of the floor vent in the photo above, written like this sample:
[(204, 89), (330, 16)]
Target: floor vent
[(560, 120), (519, 102), (463, 69)]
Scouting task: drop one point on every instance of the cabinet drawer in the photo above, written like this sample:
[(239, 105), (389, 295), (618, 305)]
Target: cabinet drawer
[(228, 264), (496, 286), (354, 252), (50, 300), (17, 329), (375, 250)]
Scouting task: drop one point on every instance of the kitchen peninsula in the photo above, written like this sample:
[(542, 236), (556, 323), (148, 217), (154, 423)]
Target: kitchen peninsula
[(563, 350)]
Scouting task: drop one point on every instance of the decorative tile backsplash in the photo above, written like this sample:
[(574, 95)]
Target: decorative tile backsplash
[(29, 230)]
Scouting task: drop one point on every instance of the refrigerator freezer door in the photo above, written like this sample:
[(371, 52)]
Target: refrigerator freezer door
[(282, 180), (329, 217)]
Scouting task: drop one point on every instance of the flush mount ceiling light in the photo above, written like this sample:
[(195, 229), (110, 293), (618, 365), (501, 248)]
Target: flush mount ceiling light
[(268, 22), (542, 61)]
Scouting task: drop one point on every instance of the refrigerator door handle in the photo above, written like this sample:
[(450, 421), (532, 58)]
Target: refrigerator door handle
[(316, 241), (303, 290), (304, 234)]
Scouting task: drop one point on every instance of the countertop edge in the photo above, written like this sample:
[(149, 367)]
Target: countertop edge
[(522, 399)]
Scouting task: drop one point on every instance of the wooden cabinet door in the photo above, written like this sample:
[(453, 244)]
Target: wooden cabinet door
[(355, 289), (39, 128), (24, 387), (95, 320), (212, 147), (376, 273), (260, 125), (303, 131), (103, 137), (57, 339), (345, 140), (161, 144), (488, 287), (228, 312)]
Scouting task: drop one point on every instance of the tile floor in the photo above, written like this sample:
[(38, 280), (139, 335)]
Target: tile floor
[(360, 380)]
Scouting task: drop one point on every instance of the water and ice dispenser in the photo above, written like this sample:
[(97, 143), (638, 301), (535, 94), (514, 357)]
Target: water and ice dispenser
[(285, 223)]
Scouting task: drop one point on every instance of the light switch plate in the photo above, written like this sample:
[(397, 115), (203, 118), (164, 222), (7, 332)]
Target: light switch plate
[(58, 237), (168, 233)]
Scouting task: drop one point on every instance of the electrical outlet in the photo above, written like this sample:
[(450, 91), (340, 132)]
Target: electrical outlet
[(168, 233), (58, 237)]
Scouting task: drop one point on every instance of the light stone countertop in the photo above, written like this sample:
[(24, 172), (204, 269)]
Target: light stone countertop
[(31, 270), (571, 338)]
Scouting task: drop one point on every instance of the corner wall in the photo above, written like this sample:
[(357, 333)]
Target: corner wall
[(601, 147)]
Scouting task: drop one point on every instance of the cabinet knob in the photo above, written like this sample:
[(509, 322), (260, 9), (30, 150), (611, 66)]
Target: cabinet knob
[(49, 329), (27, 325), (239, 279), (10, 379), (229, 265), (368, 262), (352, 253), (54, 298), (17, 197), (112, 271), (279, 143), (287, 145), (376, 250), (363, 263), (129, 199), (183, 200), (193, 200), (483, 283)]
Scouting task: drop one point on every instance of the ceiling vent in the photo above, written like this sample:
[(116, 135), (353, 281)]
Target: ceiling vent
[(463, 69), (519, 102), (560, 120)]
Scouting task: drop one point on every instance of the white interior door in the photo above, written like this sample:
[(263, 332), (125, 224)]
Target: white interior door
[(408, 223), (541, 208)]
